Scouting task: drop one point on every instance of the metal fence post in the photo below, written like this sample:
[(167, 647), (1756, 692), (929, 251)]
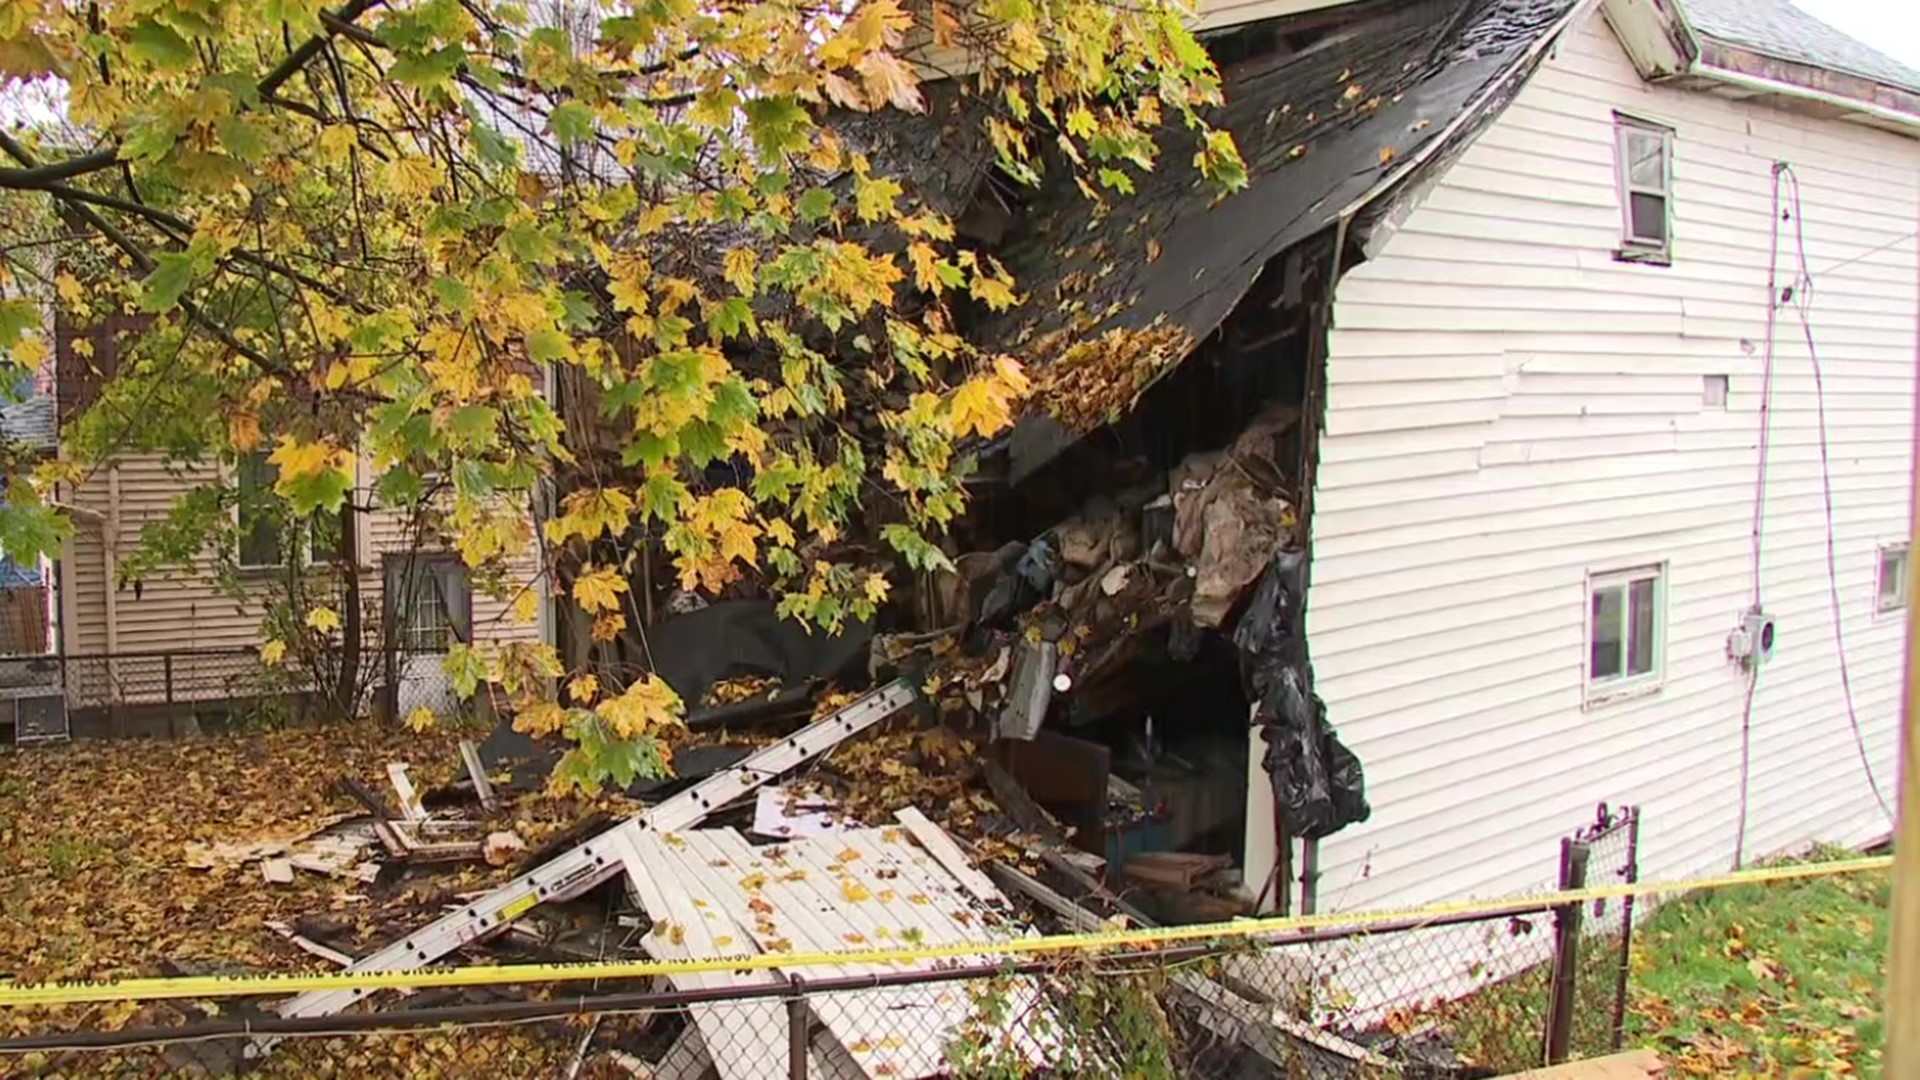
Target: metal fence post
[(797, 1023), (1566, 951), (166, 670), (1632, 874)]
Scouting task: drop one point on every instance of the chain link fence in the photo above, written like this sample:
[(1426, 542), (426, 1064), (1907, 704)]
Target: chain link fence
[(1466, 994), (1455, 991)]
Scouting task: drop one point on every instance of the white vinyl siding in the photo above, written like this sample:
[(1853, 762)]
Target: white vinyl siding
[(1511, 409), (178, 609)]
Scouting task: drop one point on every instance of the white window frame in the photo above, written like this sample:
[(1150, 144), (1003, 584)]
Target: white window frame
[(1633, 246), (1615, 687), (1880, 604)]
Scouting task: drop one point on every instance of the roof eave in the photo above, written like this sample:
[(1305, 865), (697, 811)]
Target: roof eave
[(1665, 48)]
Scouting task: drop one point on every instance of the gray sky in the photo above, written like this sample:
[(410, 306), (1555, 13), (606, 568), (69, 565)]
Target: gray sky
[(1891, 26)]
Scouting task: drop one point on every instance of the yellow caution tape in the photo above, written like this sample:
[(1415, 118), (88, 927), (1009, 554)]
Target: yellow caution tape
[(219, 986)]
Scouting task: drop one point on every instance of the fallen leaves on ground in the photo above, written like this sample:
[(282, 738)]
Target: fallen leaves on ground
[(1782, 979), (97, 881)]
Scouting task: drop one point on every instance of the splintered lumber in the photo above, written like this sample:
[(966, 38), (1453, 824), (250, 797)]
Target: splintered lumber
[(596, 860)]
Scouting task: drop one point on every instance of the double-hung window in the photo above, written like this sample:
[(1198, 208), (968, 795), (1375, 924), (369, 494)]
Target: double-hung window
[(1643, 158)]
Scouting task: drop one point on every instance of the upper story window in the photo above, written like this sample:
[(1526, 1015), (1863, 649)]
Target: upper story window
[(1625, 631), (1643, 161), (1893, 578)]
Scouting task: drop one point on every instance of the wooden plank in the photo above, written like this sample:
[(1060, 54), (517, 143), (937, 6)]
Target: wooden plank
[(1635, 1065), (948, 854), (477, 773)]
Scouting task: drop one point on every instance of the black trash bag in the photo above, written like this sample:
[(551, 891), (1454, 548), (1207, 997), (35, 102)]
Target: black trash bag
[(1025, 578), (1317, 781)]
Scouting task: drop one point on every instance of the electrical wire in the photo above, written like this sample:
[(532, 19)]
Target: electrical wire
[(1760, 507), (1802, 300)]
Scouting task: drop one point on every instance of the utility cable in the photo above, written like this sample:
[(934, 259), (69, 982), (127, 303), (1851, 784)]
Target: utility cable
[(1802, 302), (1760, 508)]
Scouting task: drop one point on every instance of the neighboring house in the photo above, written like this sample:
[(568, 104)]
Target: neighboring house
[(177, 643), (26, 609)]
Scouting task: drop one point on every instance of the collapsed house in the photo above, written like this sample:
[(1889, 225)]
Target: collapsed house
[(1127, 619)]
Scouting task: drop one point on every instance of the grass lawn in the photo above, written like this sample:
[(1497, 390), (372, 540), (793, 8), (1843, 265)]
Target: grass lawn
[(1766, 980)]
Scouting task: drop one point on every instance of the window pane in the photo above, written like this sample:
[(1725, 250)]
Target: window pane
[(259, 527), (1646, 160), (1649, 217), (431, 601), (1605, 662), (1893, 579), (327, 540), (1640, 637)]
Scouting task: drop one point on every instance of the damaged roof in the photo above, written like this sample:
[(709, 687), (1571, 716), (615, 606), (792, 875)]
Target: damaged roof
[(1319, 127), (1779, 29)]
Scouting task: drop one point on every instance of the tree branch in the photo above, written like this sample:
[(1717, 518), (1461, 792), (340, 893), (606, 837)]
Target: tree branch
[(38, 176), (310, 48)]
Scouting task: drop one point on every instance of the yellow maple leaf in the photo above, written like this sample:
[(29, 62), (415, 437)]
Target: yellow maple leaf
[(888, 79), (780, 532), (540, 719), (926, 266), (272, 652), (647, 705), (608, 626), (583, 689), (336, 140), (997, 293), (297, 459), (243, 431), (599, 589), (421, 719), (414, 177), (68, 288), (526, 607), (877, 587), (874, 199), (324, 619), (739, 265), (976, 408)]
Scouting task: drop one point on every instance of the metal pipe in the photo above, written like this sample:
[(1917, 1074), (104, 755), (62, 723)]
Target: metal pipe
[(1566, 952), (1632, 874), (797, 1037)]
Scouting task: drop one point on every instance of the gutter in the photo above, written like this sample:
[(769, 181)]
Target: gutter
[(1805, 93)]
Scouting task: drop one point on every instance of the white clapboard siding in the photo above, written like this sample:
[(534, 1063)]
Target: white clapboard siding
[(179, 608), (1510, 409)]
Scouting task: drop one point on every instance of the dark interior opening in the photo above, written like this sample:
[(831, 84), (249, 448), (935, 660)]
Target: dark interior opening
[(1152, 757)]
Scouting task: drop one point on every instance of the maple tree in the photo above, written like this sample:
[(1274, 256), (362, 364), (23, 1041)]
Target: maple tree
[(384, 232)]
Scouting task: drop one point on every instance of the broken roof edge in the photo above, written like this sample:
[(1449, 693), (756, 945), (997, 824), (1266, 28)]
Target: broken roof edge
[(1038, 438), (1665, 46)]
